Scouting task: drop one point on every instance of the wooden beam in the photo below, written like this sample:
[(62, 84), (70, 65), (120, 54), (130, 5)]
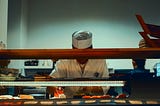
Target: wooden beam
[(110, 53)]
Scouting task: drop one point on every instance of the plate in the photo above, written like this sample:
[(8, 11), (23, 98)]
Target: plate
[(7, 78)]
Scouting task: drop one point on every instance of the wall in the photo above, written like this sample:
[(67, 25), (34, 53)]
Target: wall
[(3, 20), (17, 23), (17, 28), (113, 23), (60, 18)]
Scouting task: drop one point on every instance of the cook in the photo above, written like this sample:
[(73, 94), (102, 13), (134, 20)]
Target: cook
[(139, 64), (81, 68)]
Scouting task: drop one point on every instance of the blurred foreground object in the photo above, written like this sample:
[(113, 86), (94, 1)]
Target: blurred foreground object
[(8, 74), (3, 63), (150, 33), (140, 63)]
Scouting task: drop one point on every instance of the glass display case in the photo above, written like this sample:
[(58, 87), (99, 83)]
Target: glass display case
[(137, 89)]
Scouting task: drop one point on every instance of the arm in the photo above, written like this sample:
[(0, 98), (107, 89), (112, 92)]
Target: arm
[(105, 74), (58, 72)]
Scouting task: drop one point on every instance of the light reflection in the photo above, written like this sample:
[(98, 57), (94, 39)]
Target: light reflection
[(31, 102)]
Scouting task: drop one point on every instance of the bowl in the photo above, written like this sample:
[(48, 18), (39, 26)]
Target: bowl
[(7, 78), (8, 74)]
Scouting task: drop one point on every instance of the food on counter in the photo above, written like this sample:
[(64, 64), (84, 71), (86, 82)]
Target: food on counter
[(23, 96), (90, 101), (16, 97), (121, 96), (10, 103), (3, 75), (75, 102), (61, 102), (41, 77), (96, 96), (62, 96), (7, 78), (58, 92), (46, 102), (135, 102), (151, 102), (86, 97), (119, 101), (106, 96), (105, 101), (11, 72), (6, 97), (30, 102), (8, 74)]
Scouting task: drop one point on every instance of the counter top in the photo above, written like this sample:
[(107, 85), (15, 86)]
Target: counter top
[(98, 53), (87, 102)]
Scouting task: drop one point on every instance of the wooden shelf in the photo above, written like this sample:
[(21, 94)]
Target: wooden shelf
[(109, 53)]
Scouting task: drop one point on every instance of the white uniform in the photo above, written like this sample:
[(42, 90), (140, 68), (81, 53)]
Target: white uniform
[(70, 68)]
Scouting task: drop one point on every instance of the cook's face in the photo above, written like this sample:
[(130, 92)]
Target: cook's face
[(82, 60)]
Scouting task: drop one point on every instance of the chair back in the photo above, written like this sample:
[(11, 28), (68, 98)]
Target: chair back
[(149, 30)]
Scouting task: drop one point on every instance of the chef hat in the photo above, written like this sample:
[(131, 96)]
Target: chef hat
[(82, 39)]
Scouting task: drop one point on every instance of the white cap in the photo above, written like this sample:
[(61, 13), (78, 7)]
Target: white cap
[(82, 39)]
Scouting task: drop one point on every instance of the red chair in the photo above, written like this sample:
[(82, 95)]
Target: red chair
[(149, 30)]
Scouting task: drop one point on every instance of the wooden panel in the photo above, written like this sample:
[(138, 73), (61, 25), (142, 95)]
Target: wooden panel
[(146, 32), (113, 53)]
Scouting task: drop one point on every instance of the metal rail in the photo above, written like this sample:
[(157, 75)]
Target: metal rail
[(62, 83)]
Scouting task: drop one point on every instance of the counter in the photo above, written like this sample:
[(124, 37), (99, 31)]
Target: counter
[(86, 102), (143, 92)]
